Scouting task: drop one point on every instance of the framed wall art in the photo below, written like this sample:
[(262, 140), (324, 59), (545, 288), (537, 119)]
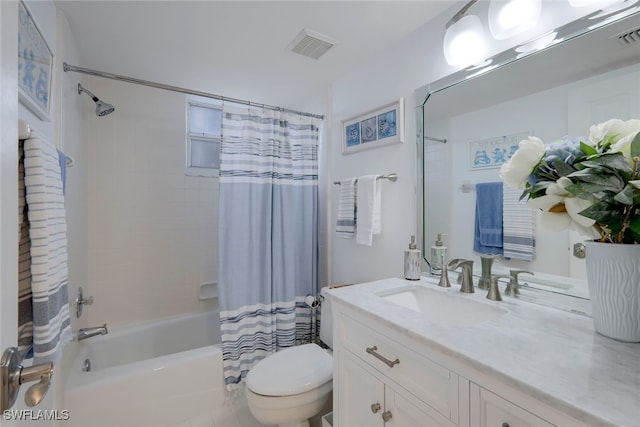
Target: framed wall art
[(35, 66), (493, 152), (382, 126)]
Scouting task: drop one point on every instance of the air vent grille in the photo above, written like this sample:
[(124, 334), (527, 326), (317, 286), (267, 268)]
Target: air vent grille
[(311, 44), (629, 37)]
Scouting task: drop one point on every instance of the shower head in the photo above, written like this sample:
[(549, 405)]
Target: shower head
[(102, 108)]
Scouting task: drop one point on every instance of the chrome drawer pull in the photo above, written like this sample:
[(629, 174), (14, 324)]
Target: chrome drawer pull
[(390, 363)]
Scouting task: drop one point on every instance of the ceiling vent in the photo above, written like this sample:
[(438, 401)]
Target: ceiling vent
[(312, 44), (629, 38)]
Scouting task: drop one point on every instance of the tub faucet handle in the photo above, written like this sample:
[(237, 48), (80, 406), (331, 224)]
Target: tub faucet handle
[(81, 301)]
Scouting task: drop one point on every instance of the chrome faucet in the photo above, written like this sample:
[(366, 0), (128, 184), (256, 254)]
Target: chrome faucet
[(84, 333), (467, 269), (494, 291), (513, 286), (486, 261)]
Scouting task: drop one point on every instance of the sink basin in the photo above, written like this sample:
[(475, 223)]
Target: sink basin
[(441, 307)]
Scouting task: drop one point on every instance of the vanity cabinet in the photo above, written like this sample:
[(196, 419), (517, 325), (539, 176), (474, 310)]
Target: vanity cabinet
[(380, 382), (370, 402), (382, 379)]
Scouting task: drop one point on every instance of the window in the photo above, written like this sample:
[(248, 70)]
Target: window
[(204, 132)]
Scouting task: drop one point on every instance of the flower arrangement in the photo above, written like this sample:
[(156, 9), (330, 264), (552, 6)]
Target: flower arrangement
[(590, 186)]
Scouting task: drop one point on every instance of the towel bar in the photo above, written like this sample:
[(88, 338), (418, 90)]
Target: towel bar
[(393, 177)]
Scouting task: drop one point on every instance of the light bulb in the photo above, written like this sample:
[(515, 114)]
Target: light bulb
[(510, 17), (464, 42)]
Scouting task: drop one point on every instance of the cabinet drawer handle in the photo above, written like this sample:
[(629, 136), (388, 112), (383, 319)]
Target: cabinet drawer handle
[(505, 424), (386, 416), (390, 363), (375, 407)]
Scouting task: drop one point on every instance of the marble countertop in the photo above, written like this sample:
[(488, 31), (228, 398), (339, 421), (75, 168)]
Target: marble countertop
[(554, 356)]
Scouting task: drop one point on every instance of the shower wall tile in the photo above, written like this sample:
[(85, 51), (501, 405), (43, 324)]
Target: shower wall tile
[(153, 230)]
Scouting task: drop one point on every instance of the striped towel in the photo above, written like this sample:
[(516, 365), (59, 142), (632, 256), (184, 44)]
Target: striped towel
[(25, 308), (519, 234), (48, 235), (346, 222)]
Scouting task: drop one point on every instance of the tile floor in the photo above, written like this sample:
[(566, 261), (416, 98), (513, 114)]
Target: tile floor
[(234, 414)]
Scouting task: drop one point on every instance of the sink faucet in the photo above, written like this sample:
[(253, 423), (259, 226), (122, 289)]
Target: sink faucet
[(513, 287), (494, 292), (467, 268), (486, 262), (84, 333)]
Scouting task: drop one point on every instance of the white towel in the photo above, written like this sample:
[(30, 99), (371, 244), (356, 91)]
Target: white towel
[(346, 221), (519, 234), (369, 203)]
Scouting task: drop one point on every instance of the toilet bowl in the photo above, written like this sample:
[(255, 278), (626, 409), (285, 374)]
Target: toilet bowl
[(290, 386)]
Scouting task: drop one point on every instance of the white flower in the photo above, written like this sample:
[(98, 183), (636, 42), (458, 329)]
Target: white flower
[(518, 168), (623, 132), (560, 210)]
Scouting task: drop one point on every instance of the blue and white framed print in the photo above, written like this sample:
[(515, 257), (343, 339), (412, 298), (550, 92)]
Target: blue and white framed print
[(382, 126), (35, 66), (494, 152)]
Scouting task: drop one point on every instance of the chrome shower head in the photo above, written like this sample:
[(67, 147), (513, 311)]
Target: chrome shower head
[(102, 108)]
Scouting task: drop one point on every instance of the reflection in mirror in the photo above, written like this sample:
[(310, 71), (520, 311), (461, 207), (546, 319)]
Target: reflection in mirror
[(556, 92)]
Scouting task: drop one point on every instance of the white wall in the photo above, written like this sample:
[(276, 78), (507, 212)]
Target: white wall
[(69, 139), (152, 230), (395, 73)]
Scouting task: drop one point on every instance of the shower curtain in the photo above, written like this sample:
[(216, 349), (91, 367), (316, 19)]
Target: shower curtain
[(268, 244)]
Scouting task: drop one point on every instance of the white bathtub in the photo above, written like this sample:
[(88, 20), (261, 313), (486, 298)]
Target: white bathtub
[(155, 374)]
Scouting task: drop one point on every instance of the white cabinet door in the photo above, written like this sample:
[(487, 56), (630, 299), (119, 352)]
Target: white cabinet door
[(490, 410), (361, 394)]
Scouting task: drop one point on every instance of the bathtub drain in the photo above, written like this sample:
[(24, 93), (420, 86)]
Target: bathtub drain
[(86, 365)]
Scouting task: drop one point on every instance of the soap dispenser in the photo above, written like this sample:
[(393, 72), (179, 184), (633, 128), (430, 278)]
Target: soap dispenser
[(412, 260), (438, 256)]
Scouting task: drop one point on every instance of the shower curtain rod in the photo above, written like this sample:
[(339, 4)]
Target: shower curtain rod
[(67, 67)]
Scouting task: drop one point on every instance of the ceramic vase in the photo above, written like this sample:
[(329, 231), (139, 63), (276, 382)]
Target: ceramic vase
[(613, 275)]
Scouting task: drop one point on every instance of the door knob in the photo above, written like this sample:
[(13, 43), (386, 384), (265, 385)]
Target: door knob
[(12, 375)]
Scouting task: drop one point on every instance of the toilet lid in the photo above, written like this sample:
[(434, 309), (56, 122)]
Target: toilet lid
[(291, 371)]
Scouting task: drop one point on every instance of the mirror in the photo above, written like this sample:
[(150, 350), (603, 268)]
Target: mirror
[(591, 75)]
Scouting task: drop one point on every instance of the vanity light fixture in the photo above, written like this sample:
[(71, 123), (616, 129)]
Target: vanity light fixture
[(538, 43), (508, 18), (596, 4), (464, 42)]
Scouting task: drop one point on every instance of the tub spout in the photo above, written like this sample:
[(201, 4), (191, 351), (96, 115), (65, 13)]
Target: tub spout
[(84, 333)]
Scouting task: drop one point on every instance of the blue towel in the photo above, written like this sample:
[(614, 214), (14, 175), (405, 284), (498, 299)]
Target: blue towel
[(488, 229), (62, 159)]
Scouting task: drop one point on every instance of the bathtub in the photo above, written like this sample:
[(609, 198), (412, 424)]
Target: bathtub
[(155, 374)]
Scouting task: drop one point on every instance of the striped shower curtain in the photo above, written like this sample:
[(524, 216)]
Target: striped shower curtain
[(268, 244)]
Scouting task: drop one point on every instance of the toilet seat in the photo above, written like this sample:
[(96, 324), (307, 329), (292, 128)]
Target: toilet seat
[(291, 371)]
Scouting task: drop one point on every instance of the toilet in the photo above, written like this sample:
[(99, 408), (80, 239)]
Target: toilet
[(290, 386)]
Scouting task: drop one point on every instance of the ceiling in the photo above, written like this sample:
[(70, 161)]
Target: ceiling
[(239, 48)]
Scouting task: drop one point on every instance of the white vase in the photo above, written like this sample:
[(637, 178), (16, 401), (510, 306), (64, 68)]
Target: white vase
[(613, 274)]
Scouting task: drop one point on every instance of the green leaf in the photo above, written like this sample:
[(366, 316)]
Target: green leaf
[(604, 213), (635, 146), (562, 168), (587, 149), (634, 225), (616, 161), (625, 196)]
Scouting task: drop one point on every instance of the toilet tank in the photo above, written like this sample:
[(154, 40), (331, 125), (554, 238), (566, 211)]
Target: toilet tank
[(326, 320)]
